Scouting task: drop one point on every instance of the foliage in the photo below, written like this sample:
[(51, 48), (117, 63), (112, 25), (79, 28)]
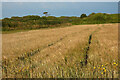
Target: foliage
[(37, 22), (83, 15)]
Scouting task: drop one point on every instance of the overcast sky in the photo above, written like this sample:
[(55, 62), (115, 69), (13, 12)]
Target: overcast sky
[(60, 0)]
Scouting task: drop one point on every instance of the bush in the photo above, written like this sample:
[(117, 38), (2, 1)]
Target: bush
[(83, 15)]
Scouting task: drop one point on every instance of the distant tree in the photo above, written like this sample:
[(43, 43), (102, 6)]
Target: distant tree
[(46, 14), (83, 15)]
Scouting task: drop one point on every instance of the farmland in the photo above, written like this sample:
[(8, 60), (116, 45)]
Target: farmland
[(81, 51)]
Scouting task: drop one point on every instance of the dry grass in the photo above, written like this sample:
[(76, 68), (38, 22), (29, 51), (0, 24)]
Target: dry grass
[(104, 50), (61, 52)]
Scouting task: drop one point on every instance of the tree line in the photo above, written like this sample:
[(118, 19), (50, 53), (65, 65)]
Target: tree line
[(37, 22)]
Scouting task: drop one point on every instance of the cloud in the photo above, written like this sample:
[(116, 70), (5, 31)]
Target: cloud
[(60, 1)]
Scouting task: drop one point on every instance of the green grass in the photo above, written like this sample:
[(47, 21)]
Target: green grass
[(24, 30), (13, 31)]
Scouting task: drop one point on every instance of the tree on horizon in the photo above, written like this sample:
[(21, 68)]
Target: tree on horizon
[(46, 14), (83, 15)]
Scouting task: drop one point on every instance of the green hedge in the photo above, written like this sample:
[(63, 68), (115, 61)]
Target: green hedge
[(35, 21)]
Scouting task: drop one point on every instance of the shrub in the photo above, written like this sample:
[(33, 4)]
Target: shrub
[(83, 15)]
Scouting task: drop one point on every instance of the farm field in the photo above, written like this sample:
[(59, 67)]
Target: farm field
[(81, 51)]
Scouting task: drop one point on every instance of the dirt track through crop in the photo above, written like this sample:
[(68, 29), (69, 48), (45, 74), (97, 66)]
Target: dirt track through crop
[(25, 42), (87, 48), (32, 53)]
